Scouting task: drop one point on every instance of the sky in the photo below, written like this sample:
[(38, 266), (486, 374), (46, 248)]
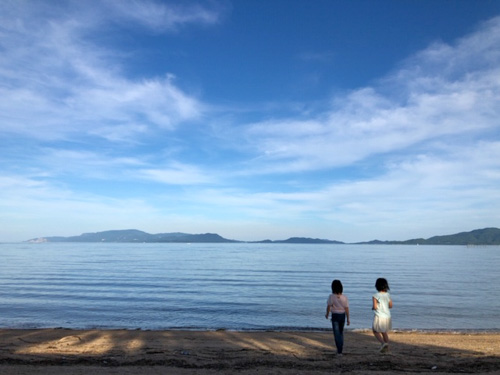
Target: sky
[(346, 120)]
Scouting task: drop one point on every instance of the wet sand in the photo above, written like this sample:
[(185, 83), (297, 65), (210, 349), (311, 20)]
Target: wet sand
[(62, 351)]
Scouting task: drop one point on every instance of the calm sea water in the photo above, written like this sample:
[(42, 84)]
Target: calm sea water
[(243, 286)]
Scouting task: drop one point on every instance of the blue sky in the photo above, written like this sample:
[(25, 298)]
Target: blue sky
[(346, 120)]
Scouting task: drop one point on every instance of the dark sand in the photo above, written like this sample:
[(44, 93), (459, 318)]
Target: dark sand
[(95, 352)]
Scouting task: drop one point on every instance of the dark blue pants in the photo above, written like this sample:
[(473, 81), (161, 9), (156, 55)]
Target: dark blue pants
[(338, 322)]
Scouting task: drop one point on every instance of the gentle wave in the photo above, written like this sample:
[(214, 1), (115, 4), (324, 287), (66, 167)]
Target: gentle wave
[(243, 286)]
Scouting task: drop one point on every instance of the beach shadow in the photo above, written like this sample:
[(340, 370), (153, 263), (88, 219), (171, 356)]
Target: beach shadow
[(311, 352)]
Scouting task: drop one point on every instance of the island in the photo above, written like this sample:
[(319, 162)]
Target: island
[(477, 237)]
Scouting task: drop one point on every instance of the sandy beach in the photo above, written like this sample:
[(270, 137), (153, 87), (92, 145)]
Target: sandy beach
[(62, 351)]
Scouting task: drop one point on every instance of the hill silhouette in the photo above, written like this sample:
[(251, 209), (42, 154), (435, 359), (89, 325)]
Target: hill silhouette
[(486, 236)]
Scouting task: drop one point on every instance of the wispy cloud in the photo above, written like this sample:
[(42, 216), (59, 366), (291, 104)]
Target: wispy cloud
[(176, 174), (42, 208), (322, 57), (171, 16), (422, 144), (85, 164), (441, 191), (441, 92), (57, 81)]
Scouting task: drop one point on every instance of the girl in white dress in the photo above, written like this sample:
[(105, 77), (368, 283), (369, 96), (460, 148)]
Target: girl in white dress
[(382, 322)]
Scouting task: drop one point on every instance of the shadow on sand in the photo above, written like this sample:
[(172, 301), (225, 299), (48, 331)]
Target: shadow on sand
[(248, 352)]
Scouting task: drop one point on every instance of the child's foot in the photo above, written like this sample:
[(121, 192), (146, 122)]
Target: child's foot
[(383, 348)]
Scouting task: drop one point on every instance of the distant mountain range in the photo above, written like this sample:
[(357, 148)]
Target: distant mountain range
[(134, 235), (486, 236)]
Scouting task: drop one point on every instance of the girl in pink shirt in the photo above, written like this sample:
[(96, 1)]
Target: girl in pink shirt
[(338, 305)]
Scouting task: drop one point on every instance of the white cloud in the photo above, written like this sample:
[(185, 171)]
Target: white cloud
[(176, 174), (161, 16), (442, 92), (102, 166), (86, 164), (452, 189), (56, 82)]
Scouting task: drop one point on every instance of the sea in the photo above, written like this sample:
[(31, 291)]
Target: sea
[(244, 286)]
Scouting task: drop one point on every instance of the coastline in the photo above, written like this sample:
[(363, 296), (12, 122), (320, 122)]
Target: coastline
[(70, 351)]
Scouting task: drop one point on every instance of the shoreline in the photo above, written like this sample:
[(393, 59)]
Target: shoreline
[(62, 351), (273, 329)]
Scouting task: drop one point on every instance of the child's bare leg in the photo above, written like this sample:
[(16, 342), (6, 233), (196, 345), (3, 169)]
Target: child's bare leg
[(379, 337), (386, 337)]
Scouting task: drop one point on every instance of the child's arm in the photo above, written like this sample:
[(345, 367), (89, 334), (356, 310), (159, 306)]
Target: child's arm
[(390, 303), (327, 311), (375, 303), (347, 315)]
